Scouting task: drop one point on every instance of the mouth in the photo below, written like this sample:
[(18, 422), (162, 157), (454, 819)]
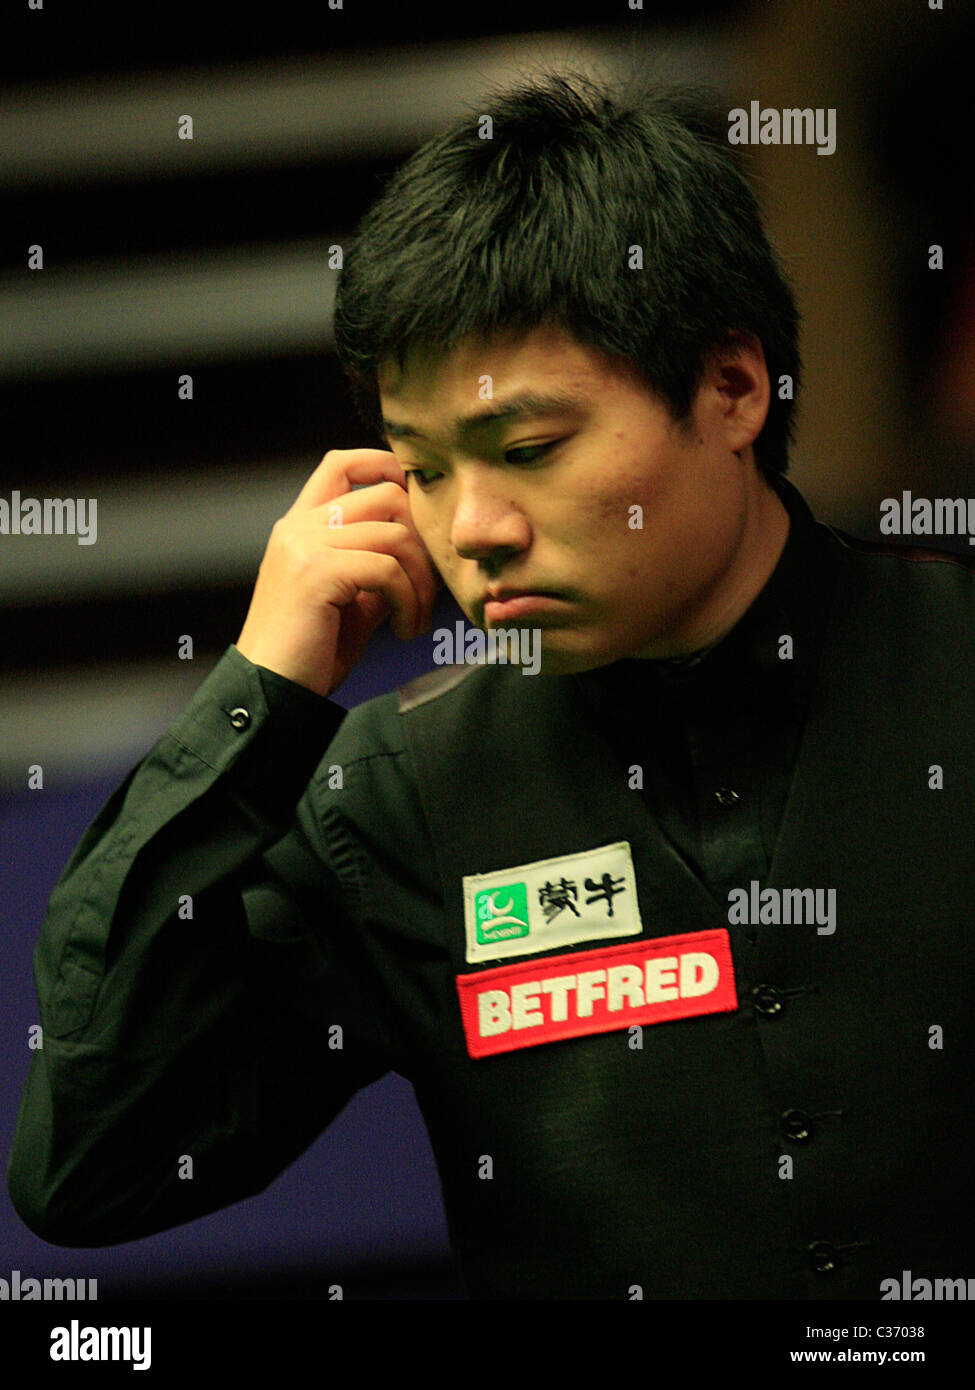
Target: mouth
[(503, 605), (500, 593)]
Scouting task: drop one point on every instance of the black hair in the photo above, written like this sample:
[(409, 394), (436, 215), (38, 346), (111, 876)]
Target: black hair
[(534, 225)]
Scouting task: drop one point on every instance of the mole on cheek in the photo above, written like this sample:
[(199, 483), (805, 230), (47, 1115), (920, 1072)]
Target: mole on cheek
[(609, 513)]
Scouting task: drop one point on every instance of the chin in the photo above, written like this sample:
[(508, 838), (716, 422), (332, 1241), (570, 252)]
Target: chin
[(563, 659)]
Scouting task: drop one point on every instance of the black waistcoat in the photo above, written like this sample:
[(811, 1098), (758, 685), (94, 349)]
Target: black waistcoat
[(819, 1138)]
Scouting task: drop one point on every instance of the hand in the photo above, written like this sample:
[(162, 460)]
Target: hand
[(337, 564)]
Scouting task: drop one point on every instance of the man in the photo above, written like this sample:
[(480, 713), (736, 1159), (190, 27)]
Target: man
[(657, 935)]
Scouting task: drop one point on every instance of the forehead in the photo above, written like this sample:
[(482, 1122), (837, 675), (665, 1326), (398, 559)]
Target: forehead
[(544, 355)]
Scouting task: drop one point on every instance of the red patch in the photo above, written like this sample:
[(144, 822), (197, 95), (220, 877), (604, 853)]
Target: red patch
[(600, 991)]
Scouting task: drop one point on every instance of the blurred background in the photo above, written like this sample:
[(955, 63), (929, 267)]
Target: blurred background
[(165, 258)]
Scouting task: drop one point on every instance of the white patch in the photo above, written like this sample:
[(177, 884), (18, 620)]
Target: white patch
[(536, 907)]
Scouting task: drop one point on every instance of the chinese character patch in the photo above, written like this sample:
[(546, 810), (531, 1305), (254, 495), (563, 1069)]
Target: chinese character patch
[(553, 902)]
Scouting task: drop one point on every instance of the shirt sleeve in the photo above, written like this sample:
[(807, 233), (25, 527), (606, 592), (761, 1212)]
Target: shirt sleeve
[(204, 1010)]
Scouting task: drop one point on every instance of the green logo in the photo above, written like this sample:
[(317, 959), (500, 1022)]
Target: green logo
[(501, 913)]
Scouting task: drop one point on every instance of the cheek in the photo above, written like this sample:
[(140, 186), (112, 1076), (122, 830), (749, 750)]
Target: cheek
[(433, 535), (629, 506)]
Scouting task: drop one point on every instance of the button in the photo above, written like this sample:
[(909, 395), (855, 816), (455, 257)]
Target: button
[(726, 796), (797, 1125), (766, 1000), (822, 1256), (240, 718)]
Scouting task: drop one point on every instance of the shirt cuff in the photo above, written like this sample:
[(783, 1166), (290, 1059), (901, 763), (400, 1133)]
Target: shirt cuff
[(266, 730)]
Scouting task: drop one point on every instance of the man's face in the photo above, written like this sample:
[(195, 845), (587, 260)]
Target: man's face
[(616, 532)]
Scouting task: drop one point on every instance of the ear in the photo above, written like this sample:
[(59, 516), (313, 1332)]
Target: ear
[(739, 377)]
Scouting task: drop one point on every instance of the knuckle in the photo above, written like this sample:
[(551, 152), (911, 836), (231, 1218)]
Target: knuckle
[(390, 567), (399, 534), (391, 496), (295, 546)]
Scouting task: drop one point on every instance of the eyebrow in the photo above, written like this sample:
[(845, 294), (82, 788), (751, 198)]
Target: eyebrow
[(525, 404)]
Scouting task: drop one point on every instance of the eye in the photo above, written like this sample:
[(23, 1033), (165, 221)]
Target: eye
[(424, 476), (535, 452)]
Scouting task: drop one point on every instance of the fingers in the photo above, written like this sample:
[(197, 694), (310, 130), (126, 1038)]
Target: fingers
[(408, 580), (384, 501), (344, 556), (369, 574), (340, 469)]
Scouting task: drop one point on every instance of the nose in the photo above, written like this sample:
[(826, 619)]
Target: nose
[(486, 517)]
